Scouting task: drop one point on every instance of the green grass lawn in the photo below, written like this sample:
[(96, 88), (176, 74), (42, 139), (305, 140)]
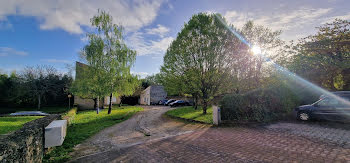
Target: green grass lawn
[(191, 114), (51, 110), (8, 124), (84, 125)]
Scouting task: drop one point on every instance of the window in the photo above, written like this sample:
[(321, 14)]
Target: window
[(328, 102)]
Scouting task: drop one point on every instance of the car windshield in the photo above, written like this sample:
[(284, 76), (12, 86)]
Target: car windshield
[(326, 101)]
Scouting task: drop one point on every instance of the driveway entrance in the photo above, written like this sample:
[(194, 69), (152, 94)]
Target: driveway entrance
[(173, 141)]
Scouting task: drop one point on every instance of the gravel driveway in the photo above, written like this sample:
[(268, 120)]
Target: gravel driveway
[(173, 141), (144, 126)]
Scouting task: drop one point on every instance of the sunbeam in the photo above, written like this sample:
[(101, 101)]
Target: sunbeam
[(290, 75)]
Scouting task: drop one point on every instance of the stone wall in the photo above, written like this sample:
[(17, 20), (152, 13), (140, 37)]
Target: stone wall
[(152, 94), (157, 93), (26, 144)]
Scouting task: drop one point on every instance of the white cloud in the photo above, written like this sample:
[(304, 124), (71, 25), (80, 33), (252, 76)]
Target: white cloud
[(84, 39), (56, 61), (138, 42), (72, 15), (343, 17), (159, 30), (6, 51), (141, 74), (279, 21)]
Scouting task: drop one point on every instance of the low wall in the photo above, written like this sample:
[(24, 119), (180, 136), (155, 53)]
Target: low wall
[(27, 143)]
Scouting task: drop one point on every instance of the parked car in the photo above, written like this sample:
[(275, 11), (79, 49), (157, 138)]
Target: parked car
[(162, 102), (169, 101), (179, 103), (338, 93), (326, 108)]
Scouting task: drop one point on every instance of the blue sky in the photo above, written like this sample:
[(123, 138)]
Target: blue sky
[(51, 32)]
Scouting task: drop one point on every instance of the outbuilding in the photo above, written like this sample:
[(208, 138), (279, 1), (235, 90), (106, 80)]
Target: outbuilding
[(152, 95)]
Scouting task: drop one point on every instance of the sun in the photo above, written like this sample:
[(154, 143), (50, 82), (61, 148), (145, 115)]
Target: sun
[(256, 50)]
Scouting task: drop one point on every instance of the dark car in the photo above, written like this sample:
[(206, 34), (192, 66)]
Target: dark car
[(179, 103), (327, 108), (162, 102), (169, 101), (338, 93)]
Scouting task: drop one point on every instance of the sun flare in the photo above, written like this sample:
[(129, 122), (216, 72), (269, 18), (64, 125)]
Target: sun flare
[(256, 50)]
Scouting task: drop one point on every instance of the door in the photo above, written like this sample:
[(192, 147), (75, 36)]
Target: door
[(326, 109), (343, 109)]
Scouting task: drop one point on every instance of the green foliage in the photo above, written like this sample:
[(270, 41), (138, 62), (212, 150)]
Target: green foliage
[(84, 125), (251, 70), (109, 61), (192, 114), (206, 59), (34, 84), (155, 79), (194, 62), (70, 115), (8, 124), (261, 105), (324, 58)]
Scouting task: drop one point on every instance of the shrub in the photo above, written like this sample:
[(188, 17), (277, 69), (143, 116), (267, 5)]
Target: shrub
[(260, 105), (70, 115)]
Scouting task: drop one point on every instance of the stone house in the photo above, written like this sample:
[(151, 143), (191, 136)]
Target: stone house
[(88, 103), (152, 95)]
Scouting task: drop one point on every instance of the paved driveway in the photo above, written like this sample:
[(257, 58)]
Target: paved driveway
[(280, 142)]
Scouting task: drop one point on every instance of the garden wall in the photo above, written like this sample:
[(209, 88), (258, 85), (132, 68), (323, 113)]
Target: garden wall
[(26, 144)]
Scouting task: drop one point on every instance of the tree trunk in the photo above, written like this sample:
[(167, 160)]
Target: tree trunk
[(39, 101), (205, 106), (110, 104), (102, 105), (96, 105), (195, 102)]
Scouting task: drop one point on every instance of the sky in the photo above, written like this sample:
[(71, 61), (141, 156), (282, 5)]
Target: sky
[(53, 32)]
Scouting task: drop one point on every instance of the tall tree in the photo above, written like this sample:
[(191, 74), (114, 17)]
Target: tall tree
[(249, 69), (118, 57), (196, 60), (109, 61), (37, 81), (324, 58)]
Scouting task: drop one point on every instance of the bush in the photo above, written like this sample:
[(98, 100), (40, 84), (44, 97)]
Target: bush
[(70, 115), (261, 105)]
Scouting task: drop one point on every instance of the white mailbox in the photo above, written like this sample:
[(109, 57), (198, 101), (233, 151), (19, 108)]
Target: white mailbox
[(55, 133)]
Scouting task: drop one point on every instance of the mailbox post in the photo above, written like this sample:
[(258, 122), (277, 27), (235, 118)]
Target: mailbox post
[(216, 115), (69, 96)]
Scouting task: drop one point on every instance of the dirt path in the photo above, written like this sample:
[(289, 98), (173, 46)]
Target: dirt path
[(145, 126)]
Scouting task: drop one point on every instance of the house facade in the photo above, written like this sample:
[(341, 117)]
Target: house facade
[(88, 103), (152, 95)]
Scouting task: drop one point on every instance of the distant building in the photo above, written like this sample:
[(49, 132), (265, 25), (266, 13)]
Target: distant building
[(152, 95), (88, 103)]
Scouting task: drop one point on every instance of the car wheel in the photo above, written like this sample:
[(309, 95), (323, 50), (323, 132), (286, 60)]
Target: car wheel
[(303, 116)]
